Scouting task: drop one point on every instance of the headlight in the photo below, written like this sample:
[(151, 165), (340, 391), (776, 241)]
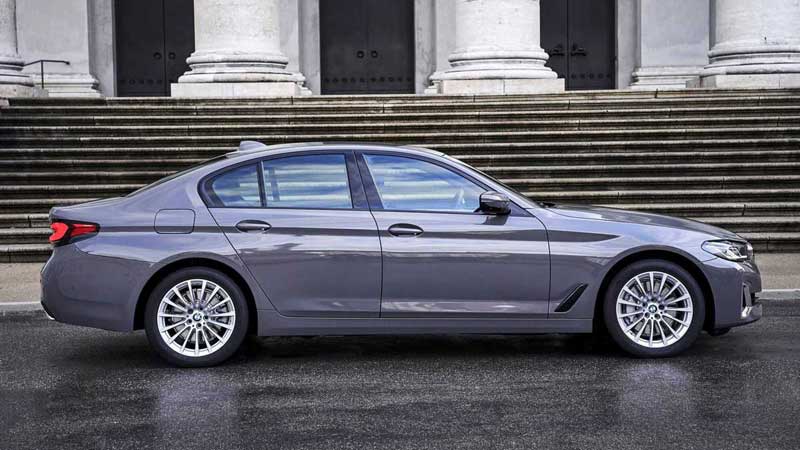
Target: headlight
[(730, 250)]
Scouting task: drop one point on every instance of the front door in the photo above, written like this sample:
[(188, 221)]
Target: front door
[(444, 258), (367, 46), (304, 232), (579, 37), (153, 40)]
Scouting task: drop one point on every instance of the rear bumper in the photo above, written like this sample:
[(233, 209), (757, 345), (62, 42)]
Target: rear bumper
[(88, 290)]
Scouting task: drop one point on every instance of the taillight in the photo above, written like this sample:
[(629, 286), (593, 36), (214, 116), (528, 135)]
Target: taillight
[(63, 232)]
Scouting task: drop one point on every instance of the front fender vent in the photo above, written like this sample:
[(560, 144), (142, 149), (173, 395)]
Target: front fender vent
[(573, 297)]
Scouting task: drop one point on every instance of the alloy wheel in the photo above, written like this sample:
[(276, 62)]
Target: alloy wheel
[(196, 317), (654, 309)]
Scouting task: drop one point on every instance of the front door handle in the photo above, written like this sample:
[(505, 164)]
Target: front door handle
[(577, 50), (404, 229), (253, 226)]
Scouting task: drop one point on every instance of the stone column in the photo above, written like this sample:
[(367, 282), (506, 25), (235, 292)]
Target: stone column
[(59, 33), (497, 51), (238, 52), (672, 43), (13, 82), (755, 43)]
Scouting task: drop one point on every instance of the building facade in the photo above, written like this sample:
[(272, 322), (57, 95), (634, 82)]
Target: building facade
[(224, 48)]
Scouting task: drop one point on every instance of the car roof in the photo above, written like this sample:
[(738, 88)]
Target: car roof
[(255, 148)]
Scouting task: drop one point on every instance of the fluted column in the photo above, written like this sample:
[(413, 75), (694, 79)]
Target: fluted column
[(672, 43), (497, 50), (237, 52), (755, 43), (13, 82)]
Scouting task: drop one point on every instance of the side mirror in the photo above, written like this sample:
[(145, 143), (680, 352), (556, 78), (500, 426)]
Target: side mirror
[(495, 203)]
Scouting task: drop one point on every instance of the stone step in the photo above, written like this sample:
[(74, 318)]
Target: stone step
[(472, 151), (550, 137), (641, 170), (719, 208), (65, 177), (633, 157), (594, 99), (654, 183), (674, 118), (38, 191), (679, 196), (731, 113), (16, 253), (23, 220), (37, 235), (763, 224), (494, 130), (382, 127)]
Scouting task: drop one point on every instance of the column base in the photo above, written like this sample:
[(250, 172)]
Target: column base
[(70, 85), (765, 80), (223, 90), (664, 78), (15, 90), (503, 86)]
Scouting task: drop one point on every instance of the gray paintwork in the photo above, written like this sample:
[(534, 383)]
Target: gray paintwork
[(319, 271)]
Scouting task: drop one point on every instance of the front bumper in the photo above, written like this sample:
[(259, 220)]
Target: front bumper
[(734, 287)]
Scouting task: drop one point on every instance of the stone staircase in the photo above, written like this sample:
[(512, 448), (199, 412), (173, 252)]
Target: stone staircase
[(729, 158)]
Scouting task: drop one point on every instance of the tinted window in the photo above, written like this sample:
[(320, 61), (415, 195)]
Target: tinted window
[(414, 185), (236, 188), (312, 181)]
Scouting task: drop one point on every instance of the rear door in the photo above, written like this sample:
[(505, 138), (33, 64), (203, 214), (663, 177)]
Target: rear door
[(444, 258), (301, 224)]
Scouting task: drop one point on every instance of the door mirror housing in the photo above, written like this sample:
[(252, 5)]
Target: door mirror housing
[(495, 203)]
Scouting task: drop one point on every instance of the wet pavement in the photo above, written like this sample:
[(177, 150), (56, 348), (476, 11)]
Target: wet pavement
[(69, 387)]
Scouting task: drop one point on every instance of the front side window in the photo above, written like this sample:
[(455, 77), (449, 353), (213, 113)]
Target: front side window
[(237, 188), (410, 184), (308, 181)]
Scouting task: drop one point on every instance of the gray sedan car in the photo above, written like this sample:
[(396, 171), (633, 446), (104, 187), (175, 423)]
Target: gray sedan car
[(356, 239)]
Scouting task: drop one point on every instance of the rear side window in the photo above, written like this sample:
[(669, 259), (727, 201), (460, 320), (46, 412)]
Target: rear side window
[(236, 188), (309, 181)]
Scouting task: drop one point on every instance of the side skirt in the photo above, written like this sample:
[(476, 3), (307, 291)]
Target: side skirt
[(271, 323)]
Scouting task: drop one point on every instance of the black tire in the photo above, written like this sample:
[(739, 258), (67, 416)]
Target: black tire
[(240, 325), (618, 334)]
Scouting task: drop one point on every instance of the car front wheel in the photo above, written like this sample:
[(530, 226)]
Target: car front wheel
[(196, 317), (654, 308)]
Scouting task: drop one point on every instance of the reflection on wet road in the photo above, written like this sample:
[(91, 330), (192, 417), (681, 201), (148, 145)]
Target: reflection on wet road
[(69, 387)]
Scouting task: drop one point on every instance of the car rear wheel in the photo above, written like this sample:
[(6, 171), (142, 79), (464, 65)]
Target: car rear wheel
[(654, 308), (196, 317)]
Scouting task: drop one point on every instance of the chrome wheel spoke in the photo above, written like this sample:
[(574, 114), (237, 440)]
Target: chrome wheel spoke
[(657, 320)]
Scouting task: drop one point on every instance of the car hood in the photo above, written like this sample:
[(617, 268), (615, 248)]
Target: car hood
[(619, 215)]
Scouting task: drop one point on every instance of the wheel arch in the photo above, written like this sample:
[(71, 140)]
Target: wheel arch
[(674, 257), (155, 278)]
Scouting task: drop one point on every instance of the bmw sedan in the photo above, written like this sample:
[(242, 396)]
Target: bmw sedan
[(356, 239)]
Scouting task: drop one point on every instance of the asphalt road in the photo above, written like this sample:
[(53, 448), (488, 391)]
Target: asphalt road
[(68, 387)]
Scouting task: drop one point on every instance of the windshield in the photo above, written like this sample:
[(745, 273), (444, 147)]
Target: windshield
[(175, 175)]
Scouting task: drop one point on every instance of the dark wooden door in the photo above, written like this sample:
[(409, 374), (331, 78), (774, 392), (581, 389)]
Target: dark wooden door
[(153, 40), (579, 37), (367, 46)]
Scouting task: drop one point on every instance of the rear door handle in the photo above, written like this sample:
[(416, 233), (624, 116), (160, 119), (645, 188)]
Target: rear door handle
[(404, 229), (253, 226)]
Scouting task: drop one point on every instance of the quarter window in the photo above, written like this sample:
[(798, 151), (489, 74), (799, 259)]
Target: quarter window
[(310, 181), (237, 188), (410, 184)]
